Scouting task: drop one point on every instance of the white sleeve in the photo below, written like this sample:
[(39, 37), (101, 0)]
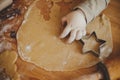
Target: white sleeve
[(92, 8)]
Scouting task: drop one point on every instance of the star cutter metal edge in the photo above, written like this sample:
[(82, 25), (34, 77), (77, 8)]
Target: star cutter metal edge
[(102, 43)]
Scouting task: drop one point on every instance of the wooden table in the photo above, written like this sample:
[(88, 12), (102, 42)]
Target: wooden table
[(113, 63), (113, 12)]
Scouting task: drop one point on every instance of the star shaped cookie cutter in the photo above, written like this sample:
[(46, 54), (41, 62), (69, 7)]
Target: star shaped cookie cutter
[(101, 65), (94, 52)]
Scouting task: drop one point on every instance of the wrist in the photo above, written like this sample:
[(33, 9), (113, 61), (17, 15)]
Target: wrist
[(81, 12)]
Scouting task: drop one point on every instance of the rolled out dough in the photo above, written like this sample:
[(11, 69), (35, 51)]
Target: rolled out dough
[(39, 43)]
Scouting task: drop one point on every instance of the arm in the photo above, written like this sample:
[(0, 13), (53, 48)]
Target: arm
[(92, 8), (78, 19)]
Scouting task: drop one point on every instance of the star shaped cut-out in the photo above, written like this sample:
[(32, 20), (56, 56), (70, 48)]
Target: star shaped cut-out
[(91, 44)]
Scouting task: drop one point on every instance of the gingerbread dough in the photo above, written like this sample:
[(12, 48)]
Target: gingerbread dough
[(39, 43)]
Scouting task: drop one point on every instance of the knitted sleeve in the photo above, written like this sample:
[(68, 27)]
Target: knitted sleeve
[(92, 8)]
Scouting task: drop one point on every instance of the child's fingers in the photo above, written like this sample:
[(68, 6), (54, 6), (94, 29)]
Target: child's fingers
[(79, 35), (84, 32), (72, 36), (66, 31), (64, 20)]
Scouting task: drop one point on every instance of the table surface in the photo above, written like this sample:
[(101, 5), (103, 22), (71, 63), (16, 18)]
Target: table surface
[(112, 62)]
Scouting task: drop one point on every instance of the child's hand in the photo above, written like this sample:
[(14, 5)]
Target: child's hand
[(76, 26)]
